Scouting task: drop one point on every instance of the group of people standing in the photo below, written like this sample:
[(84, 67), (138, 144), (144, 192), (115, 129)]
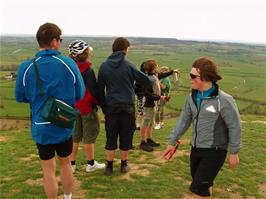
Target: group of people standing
[(213, 113)]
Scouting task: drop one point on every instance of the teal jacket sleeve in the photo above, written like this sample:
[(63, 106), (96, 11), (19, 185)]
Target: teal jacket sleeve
[(20, 94)]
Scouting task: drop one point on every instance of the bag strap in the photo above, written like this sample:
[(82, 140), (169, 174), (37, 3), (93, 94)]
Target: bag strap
[(39, 82)]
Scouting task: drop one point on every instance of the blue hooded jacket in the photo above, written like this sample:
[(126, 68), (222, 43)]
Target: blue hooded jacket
[(118, 75), (61, 79)]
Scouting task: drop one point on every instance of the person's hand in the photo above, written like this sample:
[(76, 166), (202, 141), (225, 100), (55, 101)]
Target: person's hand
[(169, 152), (167, 98), (233, 161), (176, 71)]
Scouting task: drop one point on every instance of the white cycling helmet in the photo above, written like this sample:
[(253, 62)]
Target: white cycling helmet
[(77, 47)]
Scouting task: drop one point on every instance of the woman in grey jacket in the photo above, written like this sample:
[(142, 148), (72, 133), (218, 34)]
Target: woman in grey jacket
[(216, 124)]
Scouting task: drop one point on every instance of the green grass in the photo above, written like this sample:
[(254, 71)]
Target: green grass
[(152, 177)]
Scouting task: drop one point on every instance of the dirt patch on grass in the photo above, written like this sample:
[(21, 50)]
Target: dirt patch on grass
[(137, 169), (262, 188), (36, 182), (77, 191), (13, 124), (4, 138), (30, 157)]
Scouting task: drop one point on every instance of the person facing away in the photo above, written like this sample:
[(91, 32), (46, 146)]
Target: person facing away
[(152, 94), (87, 123), (62, 80), (117, 76), (165, 85), (215, 126)]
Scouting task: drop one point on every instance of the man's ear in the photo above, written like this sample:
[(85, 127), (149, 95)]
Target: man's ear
[(126, 50), (54, 43)]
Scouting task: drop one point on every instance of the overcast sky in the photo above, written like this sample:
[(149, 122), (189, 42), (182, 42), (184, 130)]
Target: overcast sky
[(227, 20)]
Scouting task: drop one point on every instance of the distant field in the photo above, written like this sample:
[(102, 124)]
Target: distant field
[(242, 66)]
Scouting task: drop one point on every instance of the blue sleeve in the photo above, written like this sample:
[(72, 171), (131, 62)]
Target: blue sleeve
[(20, 89), (79, 85)]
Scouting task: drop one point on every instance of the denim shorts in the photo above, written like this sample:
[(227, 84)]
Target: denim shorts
[(148, 117)]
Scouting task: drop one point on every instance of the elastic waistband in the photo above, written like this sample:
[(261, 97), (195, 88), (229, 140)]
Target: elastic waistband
[(208, 149)]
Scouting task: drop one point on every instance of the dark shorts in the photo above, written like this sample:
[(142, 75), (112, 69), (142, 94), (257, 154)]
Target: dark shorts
[(120, 122), (63, 149), (87, 128), (204, 167)]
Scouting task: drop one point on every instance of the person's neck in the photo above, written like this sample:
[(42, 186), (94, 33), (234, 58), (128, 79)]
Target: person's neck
[(206, 87), (48, 48)]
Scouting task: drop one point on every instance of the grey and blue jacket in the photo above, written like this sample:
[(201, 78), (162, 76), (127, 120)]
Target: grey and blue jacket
[(215, 124)]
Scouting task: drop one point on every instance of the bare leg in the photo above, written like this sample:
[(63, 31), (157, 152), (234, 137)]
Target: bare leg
[(123, 155), (89, 151), (66, 174), (143, 134), (110, 155), (74, 153), (49, 178), (149, 133)]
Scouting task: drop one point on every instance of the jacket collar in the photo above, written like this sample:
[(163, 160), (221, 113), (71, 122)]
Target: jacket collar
[(47, 52)]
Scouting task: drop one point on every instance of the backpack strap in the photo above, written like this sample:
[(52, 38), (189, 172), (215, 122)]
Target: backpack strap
[(39, 82)]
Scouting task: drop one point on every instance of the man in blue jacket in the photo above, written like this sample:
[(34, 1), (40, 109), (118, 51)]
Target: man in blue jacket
[(62, 80), (118, 75)]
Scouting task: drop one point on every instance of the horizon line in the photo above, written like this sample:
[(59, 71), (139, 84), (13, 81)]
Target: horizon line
[(155, 37)]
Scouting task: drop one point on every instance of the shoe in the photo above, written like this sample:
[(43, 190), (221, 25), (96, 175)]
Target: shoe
[(94, 167), (152, 143), (108, 171), (146, 147), (124, 169), (73, 168), (157, 126)]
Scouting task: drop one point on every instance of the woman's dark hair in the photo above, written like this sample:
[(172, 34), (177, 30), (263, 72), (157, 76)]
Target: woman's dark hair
[(142, 67), (207, 69), (46, 33), (120, 44)]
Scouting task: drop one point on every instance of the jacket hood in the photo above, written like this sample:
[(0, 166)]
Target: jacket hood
[(115, 59), (83, 66)]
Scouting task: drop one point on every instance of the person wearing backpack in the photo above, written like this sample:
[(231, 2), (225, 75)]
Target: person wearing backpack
[(61, 80), (87, 123)]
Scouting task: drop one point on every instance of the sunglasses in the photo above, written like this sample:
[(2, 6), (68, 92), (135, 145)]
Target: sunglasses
[(60, 39), (192, 76)]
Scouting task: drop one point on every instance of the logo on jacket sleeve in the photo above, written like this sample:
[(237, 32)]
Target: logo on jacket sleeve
[(211, 109)]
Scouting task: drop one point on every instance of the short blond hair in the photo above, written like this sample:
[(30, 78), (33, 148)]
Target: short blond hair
[(164, 69)]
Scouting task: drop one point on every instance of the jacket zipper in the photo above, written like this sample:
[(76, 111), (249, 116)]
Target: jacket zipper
[(196, 126)]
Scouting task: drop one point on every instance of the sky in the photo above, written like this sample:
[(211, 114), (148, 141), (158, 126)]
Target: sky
[(216, 20)]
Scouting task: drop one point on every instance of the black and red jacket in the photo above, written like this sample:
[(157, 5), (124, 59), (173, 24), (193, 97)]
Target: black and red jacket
[(89, 101)]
